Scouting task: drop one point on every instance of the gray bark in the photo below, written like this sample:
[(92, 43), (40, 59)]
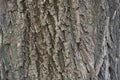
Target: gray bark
[(59, 39)]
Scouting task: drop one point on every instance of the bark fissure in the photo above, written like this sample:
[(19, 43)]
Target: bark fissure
[(59, 39)]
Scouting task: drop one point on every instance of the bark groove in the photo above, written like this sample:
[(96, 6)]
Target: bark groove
[(59, 39)]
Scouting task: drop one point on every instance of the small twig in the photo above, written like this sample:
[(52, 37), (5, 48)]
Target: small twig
[(114, 15)]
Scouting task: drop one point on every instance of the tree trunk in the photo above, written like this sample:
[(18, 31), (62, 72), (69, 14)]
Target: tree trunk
[(60, 39)]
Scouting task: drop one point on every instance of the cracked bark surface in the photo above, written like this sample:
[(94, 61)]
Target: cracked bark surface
[(59, 39)]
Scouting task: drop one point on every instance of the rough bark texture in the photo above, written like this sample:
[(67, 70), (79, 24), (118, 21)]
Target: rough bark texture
[(60, 39)]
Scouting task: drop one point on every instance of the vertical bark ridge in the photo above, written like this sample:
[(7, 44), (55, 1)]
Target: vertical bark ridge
[(60, 39)]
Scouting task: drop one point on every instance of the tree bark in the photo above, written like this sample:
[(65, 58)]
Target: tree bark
[(60, 39)]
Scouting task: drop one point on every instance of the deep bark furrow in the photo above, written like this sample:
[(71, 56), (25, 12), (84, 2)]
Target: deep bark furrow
[(59, 39)]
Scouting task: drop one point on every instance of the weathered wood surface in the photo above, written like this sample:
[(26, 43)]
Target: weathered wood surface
[(60, 39)]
